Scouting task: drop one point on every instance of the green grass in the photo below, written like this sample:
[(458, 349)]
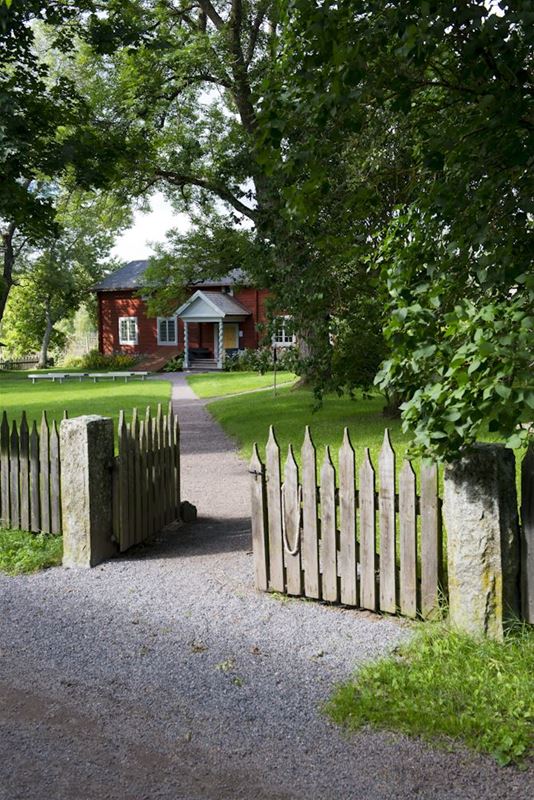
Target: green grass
[(247, 418), (227, 383), (444, 686), (107, 398), (21, 551)]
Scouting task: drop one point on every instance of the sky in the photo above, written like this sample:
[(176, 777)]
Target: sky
[(148, 228)]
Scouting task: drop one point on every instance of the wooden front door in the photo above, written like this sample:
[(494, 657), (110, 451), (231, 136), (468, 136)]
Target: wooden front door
[(230, 335)]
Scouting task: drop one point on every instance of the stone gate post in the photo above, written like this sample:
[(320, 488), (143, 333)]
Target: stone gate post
[(87, 452), (481, 520)]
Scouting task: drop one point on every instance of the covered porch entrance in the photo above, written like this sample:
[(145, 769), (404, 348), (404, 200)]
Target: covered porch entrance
[(219, 312)]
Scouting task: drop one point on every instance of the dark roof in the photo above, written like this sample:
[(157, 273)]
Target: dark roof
[(226, 303), (130, 277)]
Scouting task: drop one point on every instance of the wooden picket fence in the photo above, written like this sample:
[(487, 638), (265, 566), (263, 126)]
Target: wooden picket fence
[(146, 476), (30, 497), (321, 542)]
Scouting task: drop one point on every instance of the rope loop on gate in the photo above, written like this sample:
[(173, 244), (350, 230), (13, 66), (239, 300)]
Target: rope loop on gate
[(287, 548)]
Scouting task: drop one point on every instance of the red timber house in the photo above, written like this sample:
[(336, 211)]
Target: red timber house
[(219, 318)]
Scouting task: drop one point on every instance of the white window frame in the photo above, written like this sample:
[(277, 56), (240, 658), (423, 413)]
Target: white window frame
[(280, 338), (166, 320), (131, 340)]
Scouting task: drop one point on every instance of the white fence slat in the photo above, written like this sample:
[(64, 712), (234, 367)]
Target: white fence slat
[(408, 541), (55, 485), (328, 552), (14, 487), (431, 545), (24, 456), (367, 534), (291, 523), (274, 514), (4, 472), (386, 505), (35, 509), (260, 541), (347, 523), (310, 535), (44, 466)]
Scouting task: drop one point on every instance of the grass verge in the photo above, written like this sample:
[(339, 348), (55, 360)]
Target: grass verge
[(18, 394), (445, 685), (21, 551), (228, 383)]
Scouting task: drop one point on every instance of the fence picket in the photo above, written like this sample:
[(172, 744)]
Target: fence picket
[(44, 471), (177, 474), (143, 477), (14, 488), (4, 472), (124, 483), (149, 473), (386, 505), (274, 515), (367, 534), (408, 541), (527, 535), (328, 553), (137, 535), (310, 539), (35, 510), (291, 523), (347, 523), (55, 487), (160, 476), (24, 456), (431, 546), (260, 540)]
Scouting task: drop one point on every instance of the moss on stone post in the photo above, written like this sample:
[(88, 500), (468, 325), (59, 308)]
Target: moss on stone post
[(481, 520)]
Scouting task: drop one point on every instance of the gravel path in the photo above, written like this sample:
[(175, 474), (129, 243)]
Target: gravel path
[(163, 674)]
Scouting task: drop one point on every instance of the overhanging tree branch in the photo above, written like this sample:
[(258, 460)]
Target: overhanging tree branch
[(181, 180)]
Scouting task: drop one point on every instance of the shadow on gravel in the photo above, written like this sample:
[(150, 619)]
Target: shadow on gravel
[(206, 536)]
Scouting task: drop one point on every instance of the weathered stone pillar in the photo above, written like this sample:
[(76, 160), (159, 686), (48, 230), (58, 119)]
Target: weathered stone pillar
[(481, 519), (86, 490)]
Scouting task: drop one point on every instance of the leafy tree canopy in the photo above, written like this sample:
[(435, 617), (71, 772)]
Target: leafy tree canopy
[(454, 86)]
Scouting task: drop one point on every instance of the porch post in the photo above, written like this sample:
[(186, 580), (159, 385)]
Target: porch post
[(186, 344), (220, 354)]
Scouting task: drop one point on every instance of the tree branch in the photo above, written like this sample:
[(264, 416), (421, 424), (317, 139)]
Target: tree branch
[(255, 30), (180, 180), (211, 12)]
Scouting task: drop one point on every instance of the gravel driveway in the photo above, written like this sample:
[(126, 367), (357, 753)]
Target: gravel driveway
[(163, 674)]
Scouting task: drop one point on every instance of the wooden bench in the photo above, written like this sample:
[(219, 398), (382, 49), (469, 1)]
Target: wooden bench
[(94, 376)]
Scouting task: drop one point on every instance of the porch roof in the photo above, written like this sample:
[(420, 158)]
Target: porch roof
[(212, 307)]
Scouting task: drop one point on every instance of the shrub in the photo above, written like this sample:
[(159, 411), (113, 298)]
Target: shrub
[(262, 360), (176, 364), (97, 360)]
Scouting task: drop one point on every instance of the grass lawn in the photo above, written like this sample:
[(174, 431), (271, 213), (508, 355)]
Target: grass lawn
[(21, 551), (225, 383), (107, 398), (248, 417), (444, 684)]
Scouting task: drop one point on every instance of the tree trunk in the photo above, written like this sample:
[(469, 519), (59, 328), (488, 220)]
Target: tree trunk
[(7, 273), (43, 355)]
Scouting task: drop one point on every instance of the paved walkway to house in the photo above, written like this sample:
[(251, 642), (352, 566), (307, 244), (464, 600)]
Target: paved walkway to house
[(163, 674)]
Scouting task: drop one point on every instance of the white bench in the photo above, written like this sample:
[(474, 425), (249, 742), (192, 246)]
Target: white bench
[(94, 376)]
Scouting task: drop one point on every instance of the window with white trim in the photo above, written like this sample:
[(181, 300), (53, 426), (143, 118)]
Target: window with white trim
[(127, 330), (283, 335), (167, 330)]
